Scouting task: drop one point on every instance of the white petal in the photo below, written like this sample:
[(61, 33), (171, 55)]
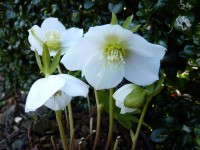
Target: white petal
[(141, 70), (36, 39), (100, 76), (52, 24), (79, 53), (120, 96), (122, 92), (126, 110), (42, 90), (58, 102), (74, 86), (69, 37), (141, 47)]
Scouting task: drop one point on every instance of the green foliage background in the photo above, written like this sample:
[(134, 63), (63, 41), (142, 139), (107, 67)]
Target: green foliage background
[(158, 25)]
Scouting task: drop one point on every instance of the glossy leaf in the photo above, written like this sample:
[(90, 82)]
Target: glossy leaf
[(159, 135)]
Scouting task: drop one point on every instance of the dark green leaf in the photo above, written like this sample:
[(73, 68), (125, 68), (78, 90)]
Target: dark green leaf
[(115, 8), (159, 135)]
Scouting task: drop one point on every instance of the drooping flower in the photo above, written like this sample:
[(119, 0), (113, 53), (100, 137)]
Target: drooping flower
[(108, 53), (54, 35), (55, 92), (136, 98)]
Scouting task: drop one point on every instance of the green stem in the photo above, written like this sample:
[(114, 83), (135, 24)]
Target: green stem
[(71, 124), (116, 143), (61, 129), (111, 111), (140, 123), (99, 109)]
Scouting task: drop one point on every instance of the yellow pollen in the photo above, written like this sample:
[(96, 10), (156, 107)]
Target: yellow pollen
[(114, 54), (53, 40)]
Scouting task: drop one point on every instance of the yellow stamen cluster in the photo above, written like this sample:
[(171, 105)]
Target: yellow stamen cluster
[(114, 54), (53, 40)]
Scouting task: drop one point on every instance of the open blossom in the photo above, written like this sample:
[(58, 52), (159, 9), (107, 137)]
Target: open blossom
[(108, 53), (54, 35), (55, 92), (120, 96)]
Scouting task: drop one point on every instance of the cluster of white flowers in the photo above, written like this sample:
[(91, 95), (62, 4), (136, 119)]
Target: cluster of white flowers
[(105, 54)]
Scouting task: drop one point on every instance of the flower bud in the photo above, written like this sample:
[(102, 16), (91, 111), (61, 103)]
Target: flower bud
[(136, 98)]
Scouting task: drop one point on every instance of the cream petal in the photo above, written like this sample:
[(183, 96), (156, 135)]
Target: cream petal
[(69, 37), (126, 110), (141, 70), (78, 54), (52, 24), (140, 46), (58, 102), (36, 38), (122, 92), (100, 76), (42, 90), (74, 86)]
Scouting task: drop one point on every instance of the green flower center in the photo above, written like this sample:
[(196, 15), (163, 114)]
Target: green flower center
[(114, 54), (53, 40), (58, 93)]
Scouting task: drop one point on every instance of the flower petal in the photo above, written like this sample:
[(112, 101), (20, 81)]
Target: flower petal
[(69, 37), (141, 47), (126, 110), (74, 86), (122, 92), (58, 102), (52, 24), (100, 76), (141, 70), (79, 53), (42, 90), (36, 39)]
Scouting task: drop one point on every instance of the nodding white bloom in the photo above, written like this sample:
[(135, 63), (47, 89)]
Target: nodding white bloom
[(54, 35), (183, 22), (108, 53), (55, 92), (120, 96)]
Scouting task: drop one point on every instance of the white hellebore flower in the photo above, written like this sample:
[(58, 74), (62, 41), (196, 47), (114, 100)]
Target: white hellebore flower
[(54, 35), (120, 96), (55, 92), (108, 53)]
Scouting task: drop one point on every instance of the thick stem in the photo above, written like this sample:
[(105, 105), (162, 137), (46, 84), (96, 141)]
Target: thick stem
[(99, 109), (71, 125), (61, 129), (140, 123), (111, 111)]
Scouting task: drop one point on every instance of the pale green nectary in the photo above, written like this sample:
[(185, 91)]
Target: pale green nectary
[(53, 33), (108, 53), (55, 92)]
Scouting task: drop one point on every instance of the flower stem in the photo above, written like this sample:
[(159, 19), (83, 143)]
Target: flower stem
[(71, 125), (140, 123), (61, 129), (111, 111), (99, 109)]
